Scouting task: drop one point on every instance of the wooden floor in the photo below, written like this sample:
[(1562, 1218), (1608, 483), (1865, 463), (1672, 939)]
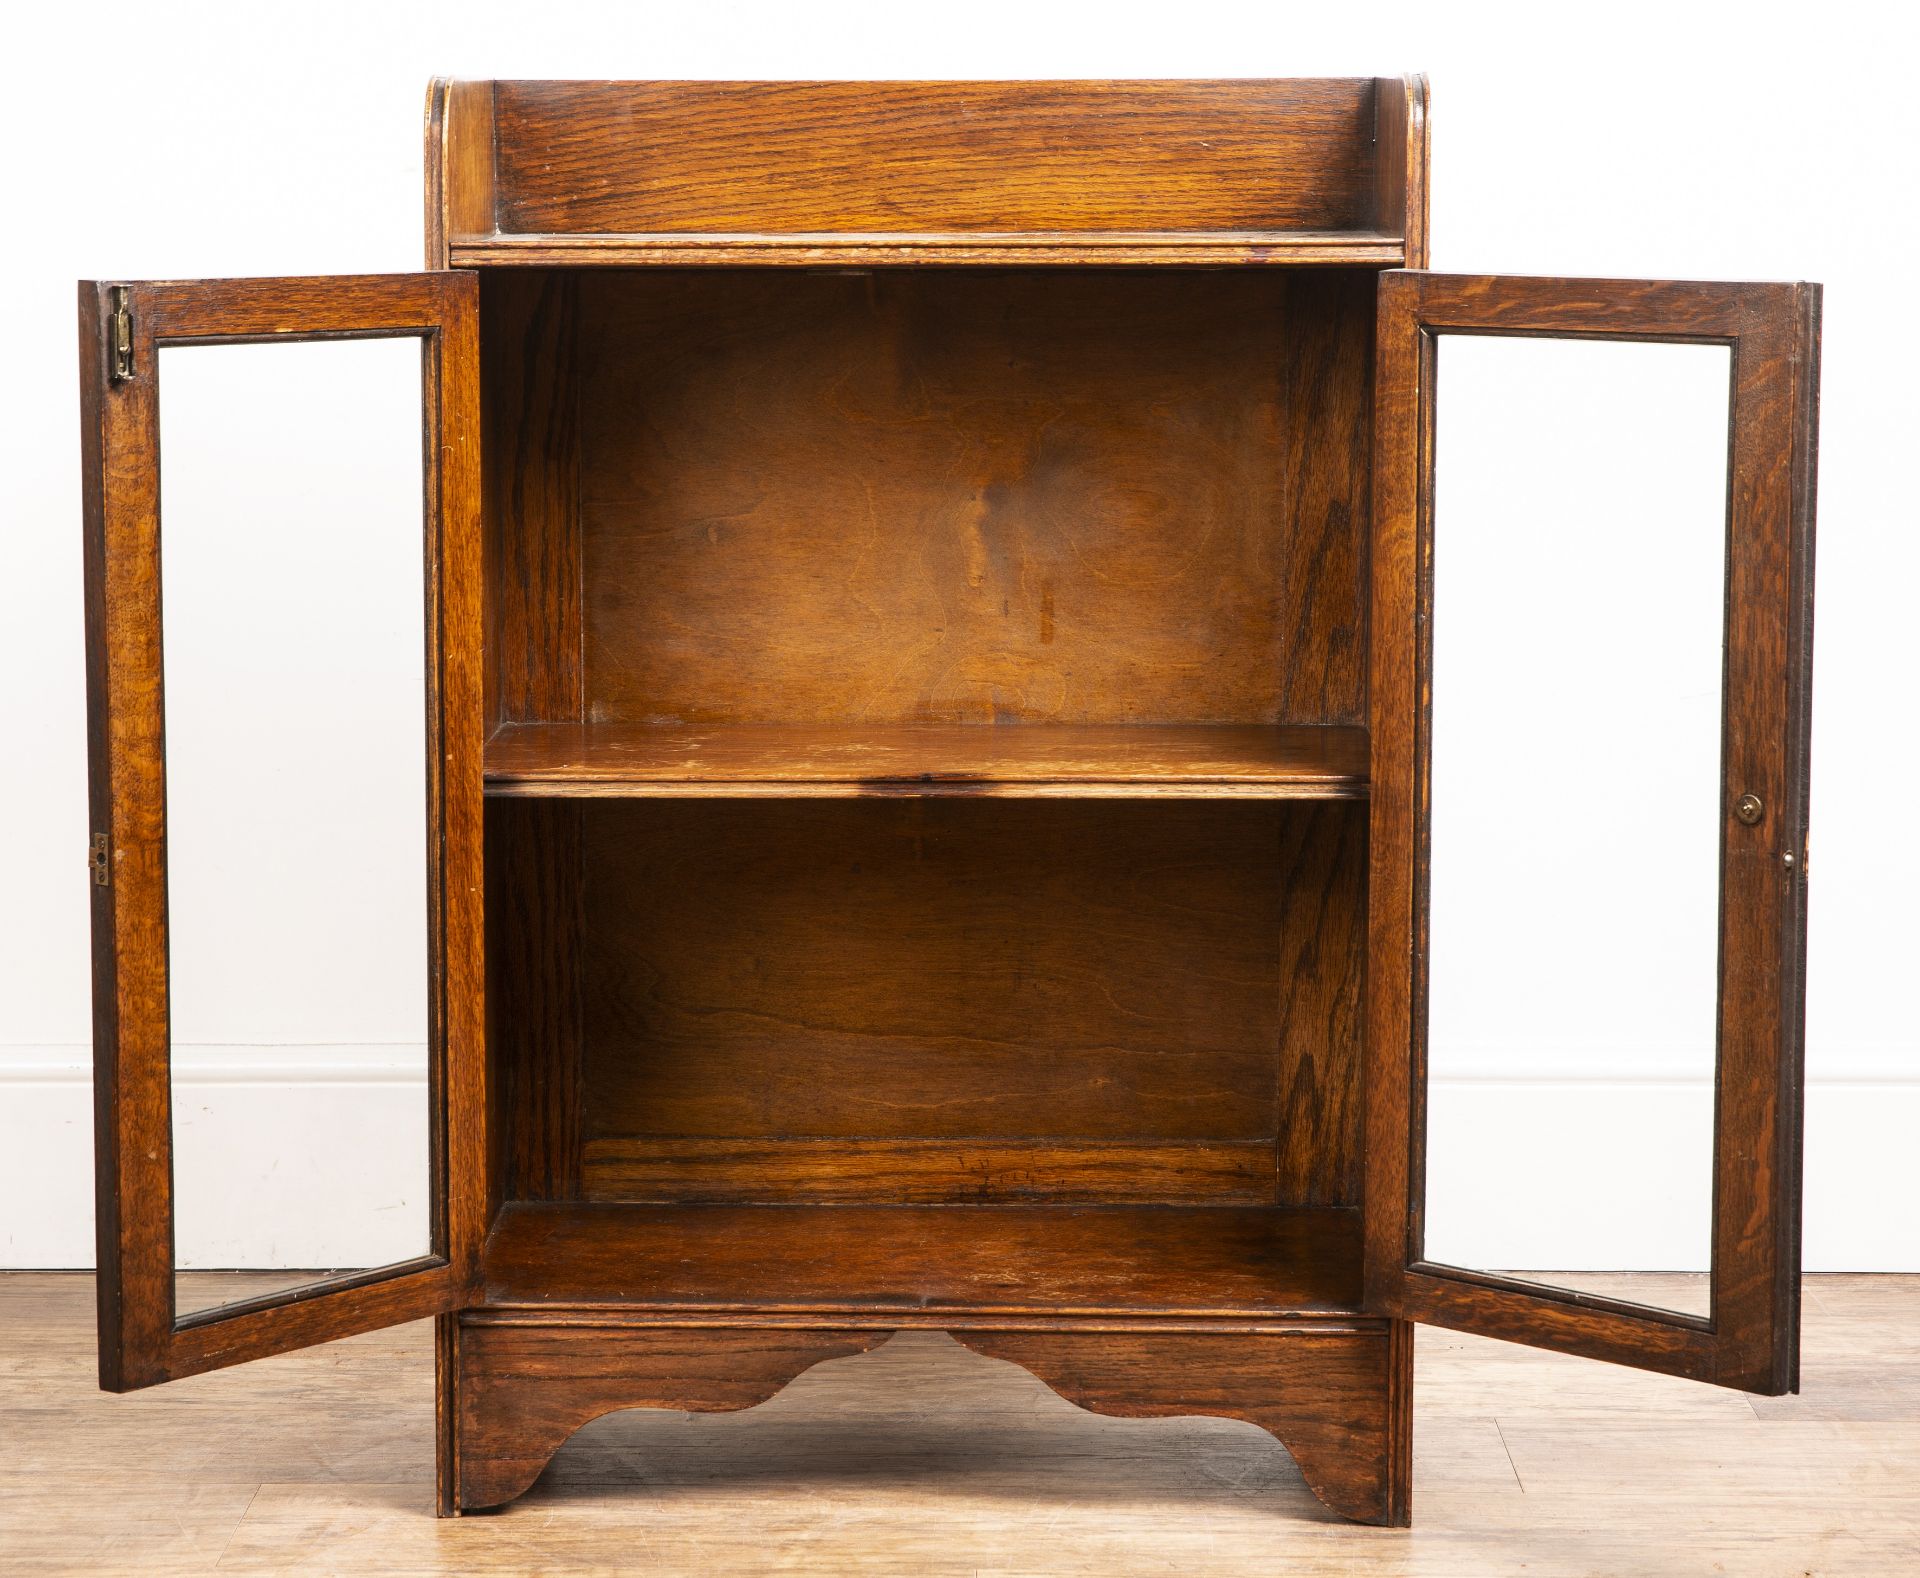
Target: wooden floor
[(921, 1458)]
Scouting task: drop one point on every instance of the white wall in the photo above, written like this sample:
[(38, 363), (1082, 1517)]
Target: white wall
[(1651, 140)]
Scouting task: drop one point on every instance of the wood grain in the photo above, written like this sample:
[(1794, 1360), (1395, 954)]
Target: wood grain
[(1325, 467), (974, 496), (850, 174), (953, 1262), (534, 926), (1328, 1398), (1402, 153), (524, 1390), (1325, 1395), (932, 969), (1323, 910), (1067, 249), (643, 1169), (459, 165), (531, 392), (935, 156), (624, 760), (1751, 1340)]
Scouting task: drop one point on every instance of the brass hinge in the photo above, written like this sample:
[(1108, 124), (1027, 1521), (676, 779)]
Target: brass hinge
[(97, 859), (120, 337)]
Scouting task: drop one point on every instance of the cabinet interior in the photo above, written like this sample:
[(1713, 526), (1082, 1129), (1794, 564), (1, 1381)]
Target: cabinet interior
[(928, 770)]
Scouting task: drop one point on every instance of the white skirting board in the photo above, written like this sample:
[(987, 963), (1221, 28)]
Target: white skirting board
[(316, 1156), (1612, 1175), (283, 1157)]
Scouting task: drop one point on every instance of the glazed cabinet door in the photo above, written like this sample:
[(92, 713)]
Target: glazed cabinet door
[(1591, 631), (284, 730)]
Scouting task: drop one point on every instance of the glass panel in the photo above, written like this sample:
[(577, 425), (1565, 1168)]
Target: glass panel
[(1578, 628), (293, 617)]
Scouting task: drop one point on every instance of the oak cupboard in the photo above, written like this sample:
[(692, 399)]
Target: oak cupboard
[(929, 717)]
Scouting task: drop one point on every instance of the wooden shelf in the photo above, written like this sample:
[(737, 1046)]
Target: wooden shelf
[(1264, 1261), (1079, 248), (1192, 761)]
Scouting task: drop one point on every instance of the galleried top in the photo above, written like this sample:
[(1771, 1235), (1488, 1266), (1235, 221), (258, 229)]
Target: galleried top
[(1295, 170)]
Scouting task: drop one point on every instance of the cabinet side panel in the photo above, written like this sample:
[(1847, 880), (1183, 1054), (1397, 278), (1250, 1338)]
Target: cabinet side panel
[(532, 455), (533, 590), (935, 156), (1323, 887), (1325, 362), (1327, 372), (533, 998)]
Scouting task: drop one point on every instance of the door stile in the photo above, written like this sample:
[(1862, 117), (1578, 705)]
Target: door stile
[(1759, 1118), (126, 832)]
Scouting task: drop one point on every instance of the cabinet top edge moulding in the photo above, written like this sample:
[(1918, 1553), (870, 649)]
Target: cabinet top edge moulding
[(1329, 170)]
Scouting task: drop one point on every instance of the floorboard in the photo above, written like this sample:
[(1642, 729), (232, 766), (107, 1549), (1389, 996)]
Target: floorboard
[(922, 1458)]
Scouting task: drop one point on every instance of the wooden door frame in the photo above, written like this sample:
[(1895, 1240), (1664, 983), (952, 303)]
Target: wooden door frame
[(1750, 1340), (142, 1341)]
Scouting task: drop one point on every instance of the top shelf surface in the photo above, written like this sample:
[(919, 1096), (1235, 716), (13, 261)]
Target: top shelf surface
[(1192, 761), (1355, 248)]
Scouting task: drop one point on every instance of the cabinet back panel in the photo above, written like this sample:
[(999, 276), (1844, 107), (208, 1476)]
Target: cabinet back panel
[(973, 496), (935, 156), (915, 1000)]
